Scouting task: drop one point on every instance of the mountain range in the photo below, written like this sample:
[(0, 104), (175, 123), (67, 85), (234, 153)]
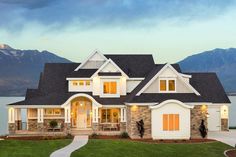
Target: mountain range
[(221, 61), (20, 69)]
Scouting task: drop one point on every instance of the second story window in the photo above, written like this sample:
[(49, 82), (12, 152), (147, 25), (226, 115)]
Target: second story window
[(167, 85), (110, 88)]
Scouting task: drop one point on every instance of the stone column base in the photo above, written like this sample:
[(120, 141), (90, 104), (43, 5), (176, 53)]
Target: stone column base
[(40, 127), (11, 128), (95, 127), (123, 126), (67, 128), (224, 125)]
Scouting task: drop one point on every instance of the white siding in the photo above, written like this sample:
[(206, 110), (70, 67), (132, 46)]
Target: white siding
[(93, 64), (131, 84), (109, 68), (184, 122), (96, 85)]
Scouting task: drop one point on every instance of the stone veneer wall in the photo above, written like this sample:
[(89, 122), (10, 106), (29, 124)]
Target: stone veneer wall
[(224, 125), (46, 123), (11, 128), (32, 125), (197, 115), (122, 126), (134, 114)]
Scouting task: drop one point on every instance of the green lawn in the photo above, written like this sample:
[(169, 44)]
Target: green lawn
[(17, 148), (122, 148)]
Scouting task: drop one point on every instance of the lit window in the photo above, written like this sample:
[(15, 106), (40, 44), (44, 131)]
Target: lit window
[(81, 83), (49, 111), (171, 85), (57, 111), (109, 88), (53, 111), (110, 116), (87, 83), (170, 122), (75, 83), (162, 85)]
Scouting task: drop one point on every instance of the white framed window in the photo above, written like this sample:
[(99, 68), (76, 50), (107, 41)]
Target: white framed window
[(167, 85), (110, 88), (52, 111)]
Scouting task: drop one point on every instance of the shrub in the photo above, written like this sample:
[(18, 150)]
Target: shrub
[(124, 135), (69, 136), (53, 124), (94, 135)]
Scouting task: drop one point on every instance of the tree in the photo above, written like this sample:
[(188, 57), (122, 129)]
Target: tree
[(203, 129), (140, 126)]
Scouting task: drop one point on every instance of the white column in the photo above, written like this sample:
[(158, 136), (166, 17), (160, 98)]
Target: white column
[(123, 115), (40, 115), (95, 114), (67, 114), (11, 115)]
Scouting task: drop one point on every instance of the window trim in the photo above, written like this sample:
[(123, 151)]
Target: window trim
[(167, 85)]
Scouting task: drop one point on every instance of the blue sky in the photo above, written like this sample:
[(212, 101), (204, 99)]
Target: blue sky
[(169, 29)]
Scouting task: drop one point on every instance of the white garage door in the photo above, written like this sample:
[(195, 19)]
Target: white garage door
[(214, 118)]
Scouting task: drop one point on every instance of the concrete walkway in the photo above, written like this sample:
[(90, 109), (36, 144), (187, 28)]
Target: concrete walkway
[(227, 137), (78, 142)]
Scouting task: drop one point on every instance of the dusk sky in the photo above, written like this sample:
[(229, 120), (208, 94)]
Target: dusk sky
[(169, 29)]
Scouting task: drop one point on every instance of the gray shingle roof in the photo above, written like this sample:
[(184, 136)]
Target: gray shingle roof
[(53, 86)]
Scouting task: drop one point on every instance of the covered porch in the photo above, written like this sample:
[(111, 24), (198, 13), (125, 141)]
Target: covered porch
[(79, 114)]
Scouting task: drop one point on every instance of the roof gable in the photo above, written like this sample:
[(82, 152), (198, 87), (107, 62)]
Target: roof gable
[(96, 59), (110, 67), (160, 72)]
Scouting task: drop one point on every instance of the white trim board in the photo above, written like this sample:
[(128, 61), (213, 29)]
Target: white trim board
[(178, 74)]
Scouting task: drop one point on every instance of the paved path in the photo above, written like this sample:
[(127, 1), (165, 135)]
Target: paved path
[(78, 142), (228, 137)]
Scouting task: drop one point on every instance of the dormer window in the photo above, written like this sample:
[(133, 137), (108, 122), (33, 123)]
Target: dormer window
[(167, 85)]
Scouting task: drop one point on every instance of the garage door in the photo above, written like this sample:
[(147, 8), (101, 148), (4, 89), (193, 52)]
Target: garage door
[(214, 118)]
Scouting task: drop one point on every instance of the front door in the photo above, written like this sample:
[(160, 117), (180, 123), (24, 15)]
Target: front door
[(82, 120)]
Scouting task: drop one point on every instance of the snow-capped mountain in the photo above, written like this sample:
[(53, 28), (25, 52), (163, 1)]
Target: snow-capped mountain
[(20, 69)]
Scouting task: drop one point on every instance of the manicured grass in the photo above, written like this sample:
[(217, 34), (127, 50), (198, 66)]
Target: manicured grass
[(20, 148), (123, 148)]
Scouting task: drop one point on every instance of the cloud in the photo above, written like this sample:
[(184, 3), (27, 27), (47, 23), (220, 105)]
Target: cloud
[(106, 13)]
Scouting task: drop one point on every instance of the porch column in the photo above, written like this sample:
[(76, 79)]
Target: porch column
[(18, 121), (95, 124), (67, 124), (123, 119), (40, 113), (11, 120)]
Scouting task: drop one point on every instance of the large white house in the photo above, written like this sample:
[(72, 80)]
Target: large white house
[(109, 94)]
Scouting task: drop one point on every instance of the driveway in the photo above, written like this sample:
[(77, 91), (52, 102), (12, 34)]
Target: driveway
[(228, 137)]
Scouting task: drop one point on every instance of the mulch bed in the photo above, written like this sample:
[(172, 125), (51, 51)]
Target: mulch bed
[(231, 153), (153, 141)]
